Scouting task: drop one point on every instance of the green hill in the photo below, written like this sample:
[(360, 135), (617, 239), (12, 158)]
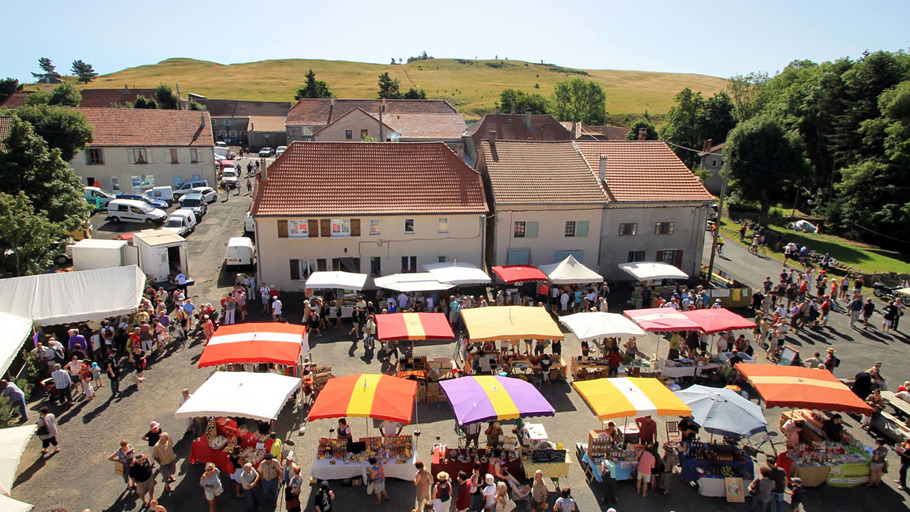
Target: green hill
[(473, 86)]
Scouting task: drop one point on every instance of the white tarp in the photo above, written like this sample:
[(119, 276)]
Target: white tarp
[(13, 331), (345, 280), (417, 282), (67, 297), (259, 396), (457, 273), (12, 444), (11, 505), (648, 270), (595, 324), (570, 271)]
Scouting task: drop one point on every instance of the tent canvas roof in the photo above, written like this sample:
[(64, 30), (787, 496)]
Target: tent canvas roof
[(457, 273), (13, 331), (68, 297), (718, 319), (510, 323), (12, 443), (570, 271), (648, 270), (595, 324), (345, 280), (417, 282), (259, 396), (661, 319), (519, 273), (797, 386)]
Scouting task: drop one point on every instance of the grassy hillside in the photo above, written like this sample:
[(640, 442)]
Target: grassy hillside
[(472, 86)]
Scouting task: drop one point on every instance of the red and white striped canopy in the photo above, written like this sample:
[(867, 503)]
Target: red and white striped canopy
[(270, 342)]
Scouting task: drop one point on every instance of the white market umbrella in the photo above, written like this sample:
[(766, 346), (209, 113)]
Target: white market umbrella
[(12, 444), (648, 270), (344, 280), (595, 324), (457, 273), (570, 271), (417, 282), (260, 396), (11, 505), (723, 411)]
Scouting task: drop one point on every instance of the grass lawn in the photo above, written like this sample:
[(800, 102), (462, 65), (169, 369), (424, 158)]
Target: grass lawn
[(473, 86), (866, 258)]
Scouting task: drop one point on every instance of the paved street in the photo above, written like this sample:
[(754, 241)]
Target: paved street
[(80, 476)]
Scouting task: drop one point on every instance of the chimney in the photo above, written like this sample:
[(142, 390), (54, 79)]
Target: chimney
[(602, 173), (492, 140), (497, 110), (202, 119), (528, 119), (126, 89), (708, 144), (642, 133)]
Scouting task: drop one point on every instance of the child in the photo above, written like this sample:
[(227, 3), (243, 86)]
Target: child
[(140, 367), (96, 375), (796, 494)]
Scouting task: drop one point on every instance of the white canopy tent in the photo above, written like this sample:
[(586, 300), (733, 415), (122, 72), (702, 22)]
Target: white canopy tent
[(12, 444), (344, 280), (648, 270), (570, 271), (418, 282), (457, 273), (595, 324), (13, 332), (67, 297), (11, 505), (259, 396)]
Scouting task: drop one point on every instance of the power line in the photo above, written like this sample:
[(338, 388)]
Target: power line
[(879, 234)]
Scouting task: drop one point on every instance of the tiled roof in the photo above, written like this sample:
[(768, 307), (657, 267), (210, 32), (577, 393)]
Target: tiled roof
[(322, 111), (593, 132), (267, 123), (718, 148), (643, 171), (114, 127), (426, 126), (15, 100), (369, 178), (91, 98), (235, 108), (512, 127), (538, 172)]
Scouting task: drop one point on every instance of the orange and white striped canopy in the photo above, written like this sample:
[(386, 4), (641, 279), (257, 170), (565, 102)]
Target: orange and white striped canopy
[(269, 342), (798, 386), (623, 397)]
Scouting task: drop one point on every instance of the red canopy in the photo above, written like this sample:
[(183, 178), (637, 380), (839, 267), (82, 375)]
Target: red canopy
[(414, 326), (797, 386), (661, 320), (718, 319), (271, 342), (519, 273)]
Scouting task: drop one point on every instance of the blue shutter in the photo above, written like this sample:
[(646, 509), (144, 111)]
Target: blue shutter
[(531, 229), (581, 228)]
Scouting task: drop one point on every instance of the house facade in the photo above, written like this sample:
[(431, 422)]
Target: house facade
[(356, 125), (235, 121), (137, 149), (375, 208), (711, 164)]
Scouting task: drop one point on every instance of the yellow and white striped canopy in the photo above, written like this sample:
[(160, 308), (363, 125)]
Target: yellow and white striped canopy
[(629, 396)]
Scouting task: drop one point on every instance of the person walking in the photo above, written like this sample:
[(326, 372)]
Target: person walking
[(210, 481), (324, 498), (142, 471), (377, 480), (646, 462), (269, 472), (442, 493), (47, 431), (903, 450), (63, 383), (463, 496), (779, 477), (877, 464), (163, 453), (249, 479), (539, 493), (422, 480), (565, 503), (761, 489), (868, 309), (124, 455), (292, 491)]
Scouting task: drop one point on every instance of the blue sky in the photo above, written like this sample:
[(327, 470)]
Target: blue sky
[(697, 36)]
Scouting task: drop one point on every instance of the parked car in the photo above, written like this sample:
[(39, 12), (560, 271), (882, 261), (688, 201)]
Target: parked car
[(97, 197), (221, 144), (182, 222), (157, 203), (129, 210), (195, 202), (279, 150), (190, 185), (229, 178), (210, 194), (249, 223), (162, 194), (266, 152), (240, 252)]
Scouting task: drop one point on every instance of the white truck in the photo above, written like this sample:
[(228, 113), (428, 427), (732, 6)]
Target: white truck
[(162, 254), (93, 254)]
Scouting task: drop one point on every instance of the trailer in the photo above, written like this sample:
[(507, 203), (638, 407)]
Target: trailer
[(93, 254), (162, 254)]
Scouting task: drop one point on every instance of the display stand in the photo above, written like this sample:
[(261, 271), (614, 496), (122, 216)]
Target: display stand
[(539, 454), (836, 464), (620, 462), (398, 455), (701, 461), (453, 460)]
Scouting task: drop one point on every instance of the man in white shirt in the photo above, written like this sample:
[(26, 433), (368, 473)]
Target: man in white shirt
[(276, 309), (63, 383), (402, 301), (390, 428)]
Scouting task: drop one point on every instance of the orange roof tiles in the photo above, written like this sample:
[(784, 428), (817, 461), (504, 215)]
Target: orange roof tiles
[(149, 127), (91, 98), (369, 178), (643, 171), (321, 111), (538, 172)]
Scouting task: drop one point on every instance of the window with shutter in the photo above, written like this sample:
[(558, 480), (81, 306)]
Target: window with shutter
[(283, 229), (321, 265), (325, 228), (531, 229), (295, 270), (581, 228), (313, 226), (355, 227)]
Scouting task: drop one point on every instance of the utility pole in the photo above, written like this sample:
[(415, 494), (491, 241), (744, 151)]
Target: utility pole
[(720, 214)]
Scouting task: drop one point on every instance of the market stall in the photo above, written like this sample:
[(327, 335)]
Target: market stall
[(457, 273), (518, 273), (407, 283), (258, 396), (454, 459), (268, 342), (840, 462), (592, 325), (660, 320), (650, 274), (342, 280), (570, 271), (714, 320), (366, 396), (510, 323)]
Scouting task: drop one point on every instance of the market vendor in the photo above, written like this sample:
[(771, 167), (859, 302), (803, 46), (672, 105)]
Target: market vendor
[(390, 428), (494, 435), (497, 466), (610, 432), (688, 429), (344, 430), (647, 429), (834, 430)]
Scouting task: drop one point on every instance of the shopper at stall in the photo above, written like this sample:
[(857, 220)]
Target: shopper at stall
[(463, 493), (779, 477), (210, 481), (494, 435), (877, 464), (669, 462), (249, 479), (565, 503), (377, 480), (153, 434), (472, 434), (489, 492), (423, 479), (269, 472), (163, 453), (796, 494), (292, 491), (688, 429), (142, 471), (275, 450), (647, 429), (539, 493), (761, 489), (501, 501), (646, 462), (442, 493), (124, 455)]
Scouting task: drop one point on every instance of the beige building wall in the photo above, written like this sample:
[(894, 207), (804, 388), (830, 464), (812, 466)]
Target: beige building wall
[(551, 240), (357, 123), (120, 171), (458, 239), (688, 236)]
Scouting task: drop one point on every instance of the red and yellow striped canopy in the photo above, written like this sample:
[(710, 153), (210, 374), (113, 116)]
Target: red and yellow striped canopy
[(414, 326), (366, 396)]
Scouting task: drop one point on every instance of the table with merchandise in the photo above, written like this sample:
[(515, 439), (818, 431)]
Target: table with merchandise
[(837, 464), (609, 452), (397, 454), (704, 462), (538, 453), (220, 439)]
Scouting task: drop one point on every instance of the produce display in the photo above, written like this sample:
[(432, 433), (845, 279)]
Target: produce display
[(715, 452), (394, 448), (467, 455)]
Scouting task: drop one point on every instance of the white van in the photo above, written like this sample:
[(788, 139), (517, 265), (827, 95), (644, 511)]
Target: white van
[(249, 223), (130, 210), (162, 194), (182, 222), (240, 252), (190, 185)]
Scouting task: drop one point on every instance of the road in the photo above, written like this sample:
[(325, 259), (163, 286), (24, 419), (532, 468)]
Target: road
[(80, 476)]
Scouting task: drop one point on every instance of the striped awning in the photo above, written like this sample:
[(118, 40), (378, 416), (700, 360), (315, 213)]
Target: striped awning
[(269, 342), (628, 396), (488, 397), (414, 326), (366, 396)]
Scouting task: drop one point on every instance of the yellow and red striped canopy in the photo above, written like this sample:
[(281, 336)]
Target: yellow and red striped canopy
[(797, 386), (414, 326), (366, 396), (630, 396)]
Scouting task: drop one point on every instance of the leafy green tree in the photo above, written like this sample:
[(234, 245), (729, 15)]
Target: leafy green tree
[(166, 98), (143, 102), (745, 93), (7, 87), (580, 100), (765, 161), (414, 94), (65, 95), (38, 98), (389, 87), (84, 71), (518, 101), (194, 105), (27, 237), (313, 88), (62, 128), (717, 117), (684, 124), (49, 69), (651, 131)]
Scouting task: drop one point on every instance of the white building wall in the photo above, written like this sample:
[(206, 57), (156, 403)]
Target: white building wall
[(551, 229), (120, 169)]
